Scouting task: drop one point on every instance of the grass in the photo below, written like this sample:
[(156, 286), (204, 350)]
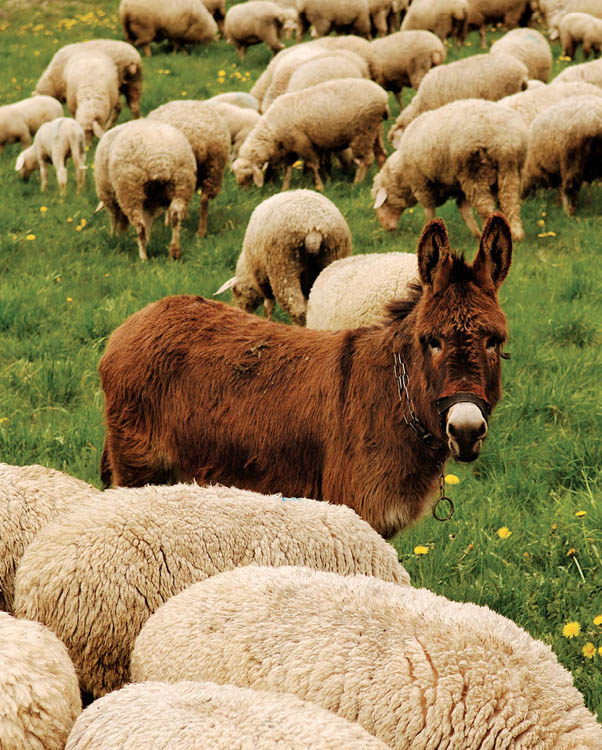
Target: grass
[(65, 285)]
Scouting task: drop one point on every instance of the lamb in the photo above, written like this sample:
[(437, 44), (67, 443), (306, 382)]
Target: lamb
[(320, 119), (565, 144), (141, 167), (54, 142), (411, 667), (341, 16), (209, 716), (20, 120), (30, 497), (590, 72), (532, 102), (39, 693), (257, 21), (480, 76), (239, 121), (472, 150), (100, 572), (445, 18), (126, 58), (531, 48), (356, 291), (511, 13), (290, 238), (580, 28), (209, 138), (181, 21)]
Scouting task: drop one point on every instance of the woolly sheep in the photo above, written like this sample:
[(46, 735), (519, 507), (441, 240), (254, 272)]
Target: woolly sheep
[(206, 716), (444, 18), (530, 47), (323, 118), (342, 16), (54, 142), (209, 137), (532, 102), (139, 159), (558, 11), (97, 575), (511, 13), (413, 668), (289, 239), (361, 47), (20, 120), (472, 150), (329, 66), (181, 21), (580, 28), (480, 76), (30, 497), (565, 142), (590, 72), (239, 120), (355, 291), (256, 21), (241, 99), (126, 58), (39, 692)]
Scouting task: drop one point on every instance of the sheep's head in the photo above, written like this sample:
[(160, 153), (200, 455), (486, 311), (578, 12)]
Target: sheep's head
[(245, 171), (389, 208), (244, 296), (26, 163)]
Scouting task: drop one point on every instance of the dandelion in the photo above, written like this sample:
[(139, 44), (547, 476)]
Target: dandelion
[(581, 513), (83, 222), (221, 73), (504, 532), (43, 209), (543, 213), (69, 220), (571, 552), (30, 237), (451, 479), (589, 650), (598, 620), (3, 420), (600, 650), (541, 222), (571, 629), (69, 299), (421, 550), (183, 93)]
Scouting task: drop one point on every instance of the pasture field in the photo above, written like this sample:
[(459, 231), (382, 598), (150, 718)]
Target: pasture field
[(526, 537)]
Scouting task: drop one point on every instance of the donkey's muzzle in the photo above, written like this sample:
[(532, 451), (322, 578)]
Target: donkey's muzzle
[(466, 428)]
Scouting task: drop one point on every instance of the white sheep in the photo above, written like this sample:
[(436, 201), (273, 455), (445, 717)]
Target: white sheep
[(335, 64), (239, 120), (341, 16), (20, 120), (98, 574), (181, 21), (414, 669), (54, 142), (324, 118), (356, 291), (39, 692), (140, 168), (472, 150), (241, 99), (210, 140), (289, 239), (530, 103), (580, 28), (124, 55), (30, 497), (256, 21), (590, 72), (559, 10), (482, 13), (206, 716), (530, 47), (444, 18)]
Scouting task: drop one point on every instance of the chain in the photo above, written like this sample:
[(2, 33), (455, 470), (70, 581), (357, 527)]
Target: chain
[(443, 499)]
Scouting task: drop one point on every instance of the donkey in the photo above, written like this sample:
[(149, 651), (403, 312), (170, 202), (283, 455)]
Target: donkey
[(197, 390)]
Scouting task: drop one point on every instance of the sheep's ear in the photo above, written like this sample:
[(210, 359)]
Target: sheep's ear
[(226, 285), (258, 177), (493, 260), (98, 131), (381, 197), (98, 208), (20, 161), (434, 256)]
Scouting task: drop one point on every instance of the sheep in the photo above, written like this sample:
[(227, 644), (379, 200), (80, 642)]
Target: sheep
[(239, 121), (382, 13), (356, 291), (580, 28), (54, 142), (141, 167), (511, 13), (329, 66), (30, 497), (321, 119), (126, 58), (558, 11), (258, 21), (472, 150), (565, 143), (181, 21), (486, 76), (411, 667), (530, 103), (203, 715), (342, 16), (20, 120), (288, 31), (100, 572), (406, 57), (217, 8), (290, 238), (92, 92), (531, 48), (444, 18), (241, 99), (39, 692), (209, 137), (590, 72)]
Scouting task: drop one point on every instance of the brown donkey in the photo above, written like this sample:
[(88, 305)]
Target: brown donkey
[(197, 390)]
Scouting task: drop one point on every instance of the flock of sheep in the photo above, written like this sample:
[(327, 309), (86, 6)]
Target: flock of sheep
[(328, 645)]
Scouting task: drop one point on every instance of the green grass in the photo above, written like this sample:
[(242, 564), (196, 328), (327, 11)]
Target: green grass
[(65, 285)]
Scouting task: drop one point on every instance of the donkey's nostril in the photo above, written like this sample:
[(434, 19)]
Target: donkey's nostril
[(482, 431), (451, 430)]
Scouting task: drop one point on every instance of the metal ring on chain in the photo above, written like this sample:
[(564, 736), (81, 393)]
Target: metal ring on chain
[(450, 511)]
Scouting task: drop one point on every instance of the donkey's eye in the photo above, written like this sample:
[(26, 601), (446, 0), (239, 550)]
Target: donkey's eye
[(434, 344), (492, 343)]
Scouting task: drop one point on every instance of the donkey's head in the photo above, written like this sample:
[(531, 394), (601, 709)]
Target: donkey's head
[(460, 329)]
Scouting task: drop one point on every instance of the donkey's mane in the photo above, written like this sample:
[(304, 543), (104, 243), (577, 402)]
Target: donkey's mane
[(399, 309)]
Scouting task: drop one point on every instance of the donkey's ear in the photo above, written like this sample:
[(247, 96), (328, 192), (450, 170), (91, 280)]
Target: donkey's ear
[(493, 260), (434, 255)]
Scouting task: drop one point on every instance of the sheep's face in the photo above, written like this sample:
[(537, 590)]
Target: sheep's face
[(246, 172), (389, 210), (245, 298), (26, 164)]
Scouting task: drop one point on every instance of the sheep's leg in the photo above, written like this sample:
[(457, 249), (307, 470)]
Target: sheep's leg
[(203, 212), (241, 50), (58, 155), (466, 213), (286, 182), (315, 169), (272, 39), (142, 227), (397, 95), (429, 213), (44, 175), (363, 147), (509, 200), (286, 287), (175, 214), (483, 36), (268, 307), (379, 147)]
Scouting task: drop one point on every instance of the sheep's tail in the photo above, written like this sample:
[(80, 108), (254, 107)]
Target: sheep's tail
[(98, 131), (313, 242)]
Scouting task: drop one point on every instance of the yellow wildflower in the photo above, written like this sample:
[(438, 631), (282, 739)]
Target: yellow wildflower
[(600, 650), (43, 209), (571, 629), (451, 479), (3, 420), (571, 552), (504, 532), (541, 222), (183, 93), (221, 73), (83, 222), (598, 620), (69, 219), (589, 650), (30, 237), (421, 550), (69, 299), (581, 513)]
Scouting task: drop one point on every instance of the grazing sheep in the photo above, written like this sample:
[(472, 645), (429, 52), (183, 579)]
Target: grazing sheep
[(20, 120), (356, 291), (445, 18), (559, 10), (256, 21), (30, 497), (321, 119), (290, 238), (590, 72), (100, 572), (206, 716), (141, 167), (411, 667), (181, 21), (209, 137), (241, 99), (531, 48), (361, 47), (511, 13), (39, 693), (580, 28), (472, 150), (124, 55), (239, 121), (327, 67), (530, 103), (54, 142), (489, 77), (565, 148), (341, 16)]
